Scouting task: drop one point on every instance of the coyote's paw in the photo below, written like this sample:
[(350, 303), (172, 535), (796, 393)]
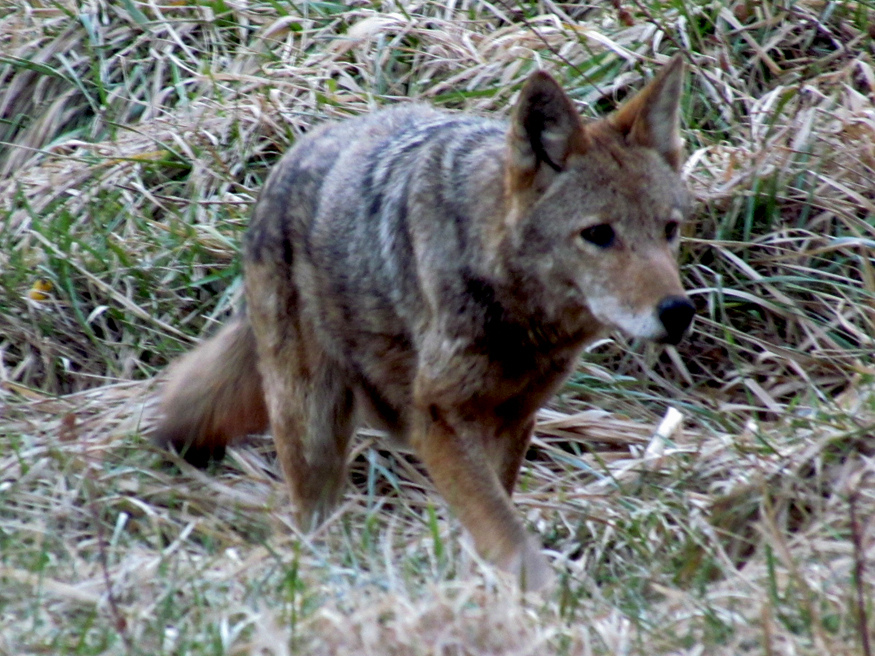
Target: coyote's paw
[(530, 567)]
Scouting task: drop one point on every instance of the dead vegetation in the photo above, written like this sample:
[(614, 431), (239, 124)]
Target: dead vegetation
[(134, 137)]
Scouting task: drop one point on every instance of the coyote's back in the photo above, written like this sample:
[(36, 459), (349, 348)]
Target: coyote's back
[(437, 276)]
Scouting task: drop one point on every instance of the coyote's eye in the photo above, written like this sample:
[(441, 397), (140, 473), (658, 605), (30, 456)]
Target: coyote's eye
[(602, 235), (671, 230)]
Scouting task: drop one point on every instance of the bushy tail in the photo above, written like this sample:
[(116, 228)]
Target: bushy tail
[(213, 395)]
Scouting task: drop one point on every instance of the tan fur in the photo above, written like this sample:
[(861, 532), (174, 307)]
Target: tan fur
[(437, 276), (212, 396)]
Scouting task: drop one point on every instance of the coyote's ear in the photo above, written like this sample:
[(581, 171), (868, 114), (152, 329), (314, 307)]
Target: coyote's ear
[(652, 117), (545, 131)]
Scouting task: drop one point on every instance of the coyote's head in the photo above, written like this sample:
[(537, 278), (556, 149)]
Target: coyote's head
[(596, 207)]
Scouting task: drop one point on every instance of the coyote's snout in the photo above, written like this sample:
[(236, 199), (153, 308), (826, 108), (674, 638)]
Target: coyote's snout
[(437, 275)]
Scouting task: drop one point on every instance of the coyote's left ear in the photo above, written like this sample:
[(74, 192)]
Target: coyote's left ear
[(545, 131), (652, 117)]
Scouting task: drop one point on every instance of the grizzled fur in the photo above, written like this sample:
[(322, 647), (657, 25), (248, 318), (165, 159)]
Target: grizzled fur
[(437, 275)]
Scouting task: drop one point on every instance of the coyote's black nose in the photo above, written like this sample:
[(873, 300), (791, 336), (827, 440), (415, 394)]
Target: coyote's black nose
[(675, 313)]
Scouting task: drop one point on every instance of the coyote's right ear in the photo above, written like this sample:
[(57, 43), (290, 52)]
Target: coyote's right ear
[(545, 131)]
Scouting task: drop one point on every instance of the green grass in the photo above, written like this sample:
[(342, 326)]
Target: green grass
[(134, 138)]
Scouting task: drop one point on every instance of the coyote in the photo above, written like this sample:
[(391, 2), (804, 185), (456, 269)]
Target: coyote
[(436, 275)]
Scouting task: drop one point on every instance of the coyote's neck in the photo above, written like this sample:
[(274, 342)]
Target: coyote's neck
[(496, 213)]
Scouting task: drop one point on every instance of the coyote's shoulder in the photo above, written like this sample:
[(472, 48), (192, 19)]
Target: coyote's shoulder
[(437, 275)]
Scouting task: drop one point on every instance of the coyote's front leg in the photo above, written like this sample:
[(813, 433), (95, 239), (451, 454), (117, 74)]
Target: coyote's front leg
[(464, 471)]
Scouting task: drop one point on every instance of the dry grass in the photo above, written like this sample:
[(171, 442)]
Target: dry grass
[(133, 139)]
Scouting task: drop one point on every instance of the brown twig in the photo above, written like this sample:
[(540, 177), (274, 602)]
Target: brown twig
[(859, 573), (118, 617)]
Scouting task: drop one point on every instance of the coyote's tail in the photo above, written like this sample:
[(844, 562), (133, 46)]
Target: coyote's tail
[(213, 395)]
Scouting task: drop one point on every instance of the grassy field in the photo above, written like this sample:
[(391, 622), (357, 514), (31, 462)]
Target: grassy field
[(134, 137)]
